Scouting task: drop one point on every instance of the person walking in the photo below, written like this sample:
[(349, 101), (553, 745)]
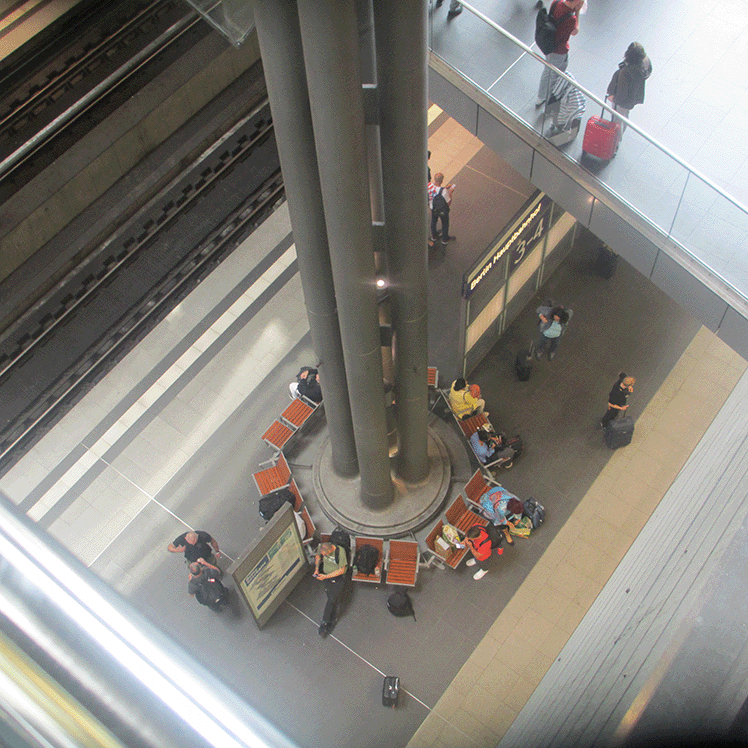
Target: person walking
[(617, 398), (552, 322), (626, 87), (566, 15), (440, 198), (455, 8), (330, 566)]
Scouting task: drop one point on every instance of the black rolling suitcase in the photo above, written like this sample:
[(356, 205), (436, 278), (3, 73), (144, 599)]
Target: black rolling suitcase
[(523, 363), (619, 432), (390, 690), (606, 262)]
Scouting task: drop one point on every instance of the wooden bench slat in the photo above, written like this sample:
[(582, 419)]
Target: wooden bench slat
[(403, 563), (297, 413), (277, 435), (377, 543)]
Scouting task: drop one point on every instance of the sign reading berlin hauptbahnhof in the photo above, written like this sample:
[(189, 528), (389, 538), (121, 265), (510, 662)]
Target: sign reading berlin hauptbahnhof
[(524, 232)]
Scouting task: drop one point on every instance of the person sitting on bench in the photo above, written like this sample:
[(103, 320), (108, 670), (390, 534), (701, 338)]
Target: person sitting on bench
[(489, 447), (463, 403), (307, 385), (498, 504)]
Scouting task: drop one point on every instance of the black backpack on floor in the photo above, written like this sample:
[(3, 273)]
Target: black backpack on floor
[(399, 604), (366, 559)]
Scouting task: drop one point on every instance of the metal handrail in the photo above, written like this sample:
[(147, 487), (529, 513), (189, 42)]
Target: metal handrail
[(132, 681), (589, 94)]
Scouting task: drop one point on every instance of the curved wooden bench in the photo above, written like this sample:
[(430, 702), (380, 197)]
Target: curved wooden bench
[(277, 435), (402, 563), (377, 543)]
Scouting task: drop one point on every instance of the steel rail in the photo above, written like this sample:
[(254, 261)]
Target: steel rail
[(63, 79), (74, 112), (270, 193), (589, 94), (123, 257)]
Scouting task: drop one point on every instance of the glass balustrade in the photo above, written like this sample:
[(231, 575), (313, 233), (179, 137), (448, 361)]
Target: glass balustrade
[(653, 180)]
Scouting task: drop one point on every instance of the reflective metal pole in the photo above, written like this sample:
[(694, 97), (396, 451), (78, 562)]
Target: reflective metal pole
[(283, 62), (329, 31), (400, 30), (130, 679)]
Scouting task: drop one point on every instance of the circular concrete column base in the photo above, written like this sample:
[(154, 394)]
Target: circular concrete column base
[(413, 506)]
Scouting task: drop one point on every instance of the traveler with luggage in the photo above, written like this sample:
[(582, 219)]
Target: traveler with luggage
[(617, 398), (490, 446), (626, 87), (440, 199), (502, 509), (552, 32), (481, 541), (552, 323), (205, 585)]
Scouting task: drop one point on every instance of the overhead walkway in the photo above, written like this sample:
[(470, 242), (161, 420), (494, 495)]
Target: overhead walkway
[(678, 226)]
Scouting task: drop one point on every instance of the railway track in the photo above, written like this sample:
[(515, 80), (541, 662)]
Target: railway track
[(96, 314), (57, 90)]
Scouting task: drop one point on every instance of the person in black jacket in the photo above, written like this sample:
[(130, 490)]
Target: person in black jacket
[(626, 87), (623, 387)]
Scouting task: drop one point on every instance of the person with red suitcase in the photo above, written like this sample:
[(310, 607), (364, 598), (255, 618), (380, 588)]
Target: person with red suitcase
[(626, 87)]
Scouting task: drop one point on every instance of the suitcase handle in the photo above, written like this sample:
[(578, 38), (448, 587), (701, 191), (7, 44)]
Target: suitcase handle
[(602, 111)]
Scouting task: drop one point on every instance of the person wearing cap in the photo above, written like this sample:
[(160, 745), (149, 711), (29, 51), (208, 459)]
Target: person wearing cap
[(617, 398)]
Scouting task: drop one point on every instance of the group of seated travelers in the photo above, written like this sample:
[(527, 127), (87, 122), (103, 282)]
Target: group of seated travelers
[(465, 401)]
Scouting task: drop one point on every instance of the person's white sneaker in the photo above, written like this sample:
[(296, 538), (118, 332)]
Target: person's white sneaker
[(480, 574), (470, 562)]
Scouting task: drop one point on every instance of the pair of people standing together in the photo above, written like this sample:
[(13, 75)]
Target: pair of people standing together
[(626, 87)]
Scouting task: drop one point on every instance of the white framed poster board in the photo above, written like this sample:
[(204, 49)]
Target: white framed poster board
[(269, 568)]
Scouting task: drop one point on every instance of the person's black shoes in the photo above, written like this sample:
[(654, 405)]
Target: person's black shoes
[(323, 630), (453, 13)]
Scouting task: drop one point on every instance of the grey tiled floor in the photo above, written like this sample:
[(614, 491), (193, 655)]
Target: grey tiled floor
[(696, 105), (158, 446)]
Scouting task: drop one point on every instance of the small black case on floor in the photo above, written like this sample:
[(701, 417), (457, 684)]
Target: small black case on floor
[(523, 363), (390, 690)]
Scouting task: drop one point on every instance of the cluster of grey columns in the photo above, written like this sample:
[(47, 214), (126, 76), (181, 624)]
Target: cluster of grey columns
[(347, 87)]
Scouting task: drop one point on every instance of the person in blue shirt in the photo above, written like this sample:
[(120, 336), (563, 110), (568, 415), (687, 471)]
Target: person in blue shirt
[(489, 447), (552, 322)]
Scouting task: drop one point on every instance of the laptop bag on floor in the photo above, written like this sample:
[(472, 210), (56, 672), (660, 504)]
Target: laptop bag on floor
[(390, 690), (601, 137), (619, 432)]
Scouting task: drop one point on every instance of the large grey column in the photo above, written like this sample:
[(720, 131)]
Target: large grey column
[(329, 34), (283, 61), (400, 29)]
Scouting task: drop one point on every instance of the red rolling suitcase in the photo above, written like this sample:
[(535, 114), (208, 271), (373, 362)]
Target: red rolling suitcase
[(601, 137)]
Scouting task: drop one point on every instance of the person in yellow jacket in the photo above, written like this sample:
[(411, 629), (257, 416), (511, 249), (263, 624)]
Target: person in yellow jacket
[(463, 403)]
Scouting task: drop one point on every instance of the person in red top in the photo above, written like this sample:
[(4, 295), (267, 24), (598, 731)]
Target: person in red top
[(482, 541), (566, 13)]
